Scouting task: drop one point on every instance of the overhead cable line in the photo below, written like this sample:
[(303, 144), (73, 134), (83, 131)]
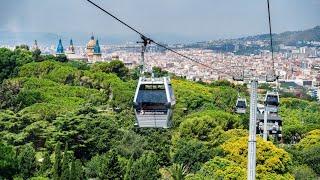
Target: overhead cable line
[(144, 37), (271, 39)]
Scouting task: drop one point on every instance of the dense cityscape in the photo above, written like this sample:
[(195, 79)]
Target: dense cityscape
[(297, 63)]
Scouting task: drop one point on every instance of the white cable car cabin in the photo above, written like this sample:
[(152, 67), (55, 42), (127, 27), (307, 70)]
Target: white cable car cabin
[(272, 99), (272, 102), (153, 103), (241, 106)]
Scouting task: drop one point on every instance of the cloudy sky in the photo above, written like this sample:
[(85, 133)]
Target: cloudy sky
[(195, 19)]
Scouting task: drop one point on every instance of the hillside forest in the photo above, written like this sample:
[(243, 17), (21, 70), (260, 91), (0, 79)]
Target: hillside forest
[(63, 119)]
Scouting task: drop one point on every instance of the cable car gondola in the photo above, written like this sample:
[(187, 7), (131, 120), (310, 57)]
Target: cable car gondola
[(153, 103), (272, 98), (241, 106)]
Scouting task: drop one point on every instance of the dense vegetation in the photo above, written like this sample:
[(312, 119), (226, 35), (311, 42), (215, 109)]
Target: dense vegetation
[(68, 120)]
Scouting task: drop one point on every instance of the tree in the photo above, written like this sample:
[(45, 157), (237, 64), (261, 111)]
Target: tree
[(46, 164), (158, 72), (191, 154), (128, 169), (8, 161), (303, 172), (178, 171), (207, 126), (7, 64), (22, 46), (27, 161), (28, 97), (22, 56), (36, 55), (62, 58), (57, 162), (65, 171), (50, 57), (221, 168), (76, 172), (271, 161), (146, 168), (114, 168), (105, 166), (115, 66), (311, 157)]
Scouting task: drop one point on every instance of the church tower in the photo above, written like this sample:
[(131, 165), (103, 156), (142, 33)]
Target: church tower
[(71, 48), (60, 50), (96, 52)]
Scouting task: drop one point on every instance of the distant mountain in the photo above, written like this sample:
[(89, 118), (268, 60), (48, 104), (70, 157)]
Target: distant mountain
[(290, 37), (81, 38)]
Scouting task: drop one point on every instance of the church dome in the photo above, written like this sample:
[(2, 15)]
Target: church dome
[(91, 43)]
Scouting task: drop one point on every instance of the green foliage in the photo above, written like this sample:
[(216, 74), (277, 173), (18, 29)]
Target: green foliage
[(193, 97), (79, 65), (207, 125), (265, 86), (45, 102), (299, 117), (27, 161), (191, 154), (65, 170), (57, 162), (22, 56), (116, 67), (158, 72), (178, 172), (8, 161), (28, 97), (76, 171), (46, 164), (304, 172), (222, 83), (308, 156), (36, 55), (62, 58), (146, 168), (104, 166), (22, 47), (271, 161), (7, 64), (221, 168)]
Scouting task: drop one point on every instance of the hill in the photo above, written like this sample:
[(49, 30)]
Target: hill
[(68, 119), (290, 37)]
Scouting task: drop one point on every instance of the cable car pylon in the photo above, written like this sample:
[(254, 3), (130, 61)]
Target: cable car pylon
[(251, 166)]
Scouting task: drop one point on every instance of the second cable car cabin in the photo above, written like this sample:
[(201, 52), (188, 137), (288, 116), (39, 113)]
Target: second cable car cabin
[(272, 101), (153, 103), (241, 106)]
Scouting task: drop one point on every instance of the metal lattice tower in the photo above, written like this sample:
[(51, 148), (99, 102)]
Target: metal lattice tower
[(252, 143), (265, 122), (145, 41)]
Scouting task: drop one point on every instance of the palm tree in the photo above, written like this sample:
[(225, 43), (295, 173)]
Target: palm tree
[(178, 171)]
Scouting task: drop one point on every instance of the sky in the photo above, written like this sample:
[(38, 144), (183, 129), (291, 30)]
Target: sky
[(193, 19)]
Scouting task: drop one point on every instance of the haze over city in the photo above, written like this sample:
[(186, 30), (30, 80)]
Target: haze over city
[(166, 20)]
